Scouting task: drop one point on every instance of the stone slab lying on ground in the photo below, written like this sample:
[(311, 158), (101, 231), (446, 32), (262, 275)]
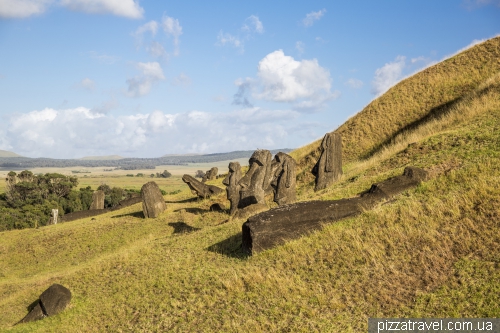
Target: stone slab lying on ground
[(274, 227), (153, 203), (89, 213), (52, 301), (200, 189)]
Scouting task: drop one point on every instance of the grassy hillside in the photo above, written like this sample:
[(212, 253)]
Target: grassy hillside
[(5, 153), (433, 252)]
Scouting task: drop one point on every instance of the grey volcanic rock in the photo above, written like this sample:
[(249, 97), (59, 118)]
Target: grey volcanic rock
[(328, 169), (232, 186), (97, 200), (256, 180), (276, 226), (210, 174), (153, 203), (283, 179), (52, 301), (200, 189)]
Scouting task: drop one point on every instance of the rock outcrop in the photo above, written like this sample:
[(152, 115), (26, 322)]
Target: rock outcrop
[(276, 226), (200, 189), (153, 203), (328, 169)]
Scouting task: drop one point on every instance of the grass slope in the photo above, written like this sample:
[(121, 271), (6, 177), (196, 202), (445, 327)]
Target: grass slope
[(433, 252), (5, 153)]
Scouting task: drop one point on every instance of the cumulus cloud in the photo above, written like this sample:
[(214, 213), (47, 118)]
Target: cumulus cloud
[(172, 28), (125, 8), (23, 8), (151, 73), (70, 133), (388, 75), (253, 24), (312, 17), (354, 83)]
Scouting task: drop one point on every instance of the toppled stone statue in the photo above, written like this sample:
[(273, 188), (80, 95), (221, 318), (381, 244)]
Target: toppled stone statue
[(256, 180), (232, 186), (276, 226), (200, 189), (97, 200), (52, 301), (153, 203), (283, 179), (328, 169), (210, 174)]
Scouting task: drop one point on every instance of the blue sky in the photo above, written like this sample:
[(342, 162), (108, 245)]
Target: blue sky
[(148, 78)]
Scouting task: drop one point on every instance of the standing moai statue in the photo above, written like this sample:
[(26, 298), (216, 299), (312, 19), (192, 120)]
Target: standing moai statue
[(283, 179), (328, 169), (210, 174), (256, 180), (97, 200), (55, 215), (152, 201), (233, 188)]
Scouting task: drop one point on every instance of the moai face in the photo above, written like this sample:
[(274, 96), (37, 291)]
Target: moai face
[(256, 180), (233, 188), (328, 169), (283, 178)]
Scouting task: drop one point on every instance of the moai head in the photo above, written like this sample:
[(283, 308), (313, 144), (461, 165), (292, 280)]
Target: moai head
[(256, 180), (233, 188), (283, 178), (328, 169)]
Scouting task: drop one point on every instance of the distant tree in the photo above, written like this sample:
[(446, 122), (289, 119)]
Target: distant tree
[(152, 175), (140, 175), (105, 188)]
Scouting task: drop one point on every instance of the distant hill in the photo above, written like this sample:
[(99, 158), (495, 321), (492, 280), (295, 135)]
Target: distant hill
[(5, 153), (102, 158)]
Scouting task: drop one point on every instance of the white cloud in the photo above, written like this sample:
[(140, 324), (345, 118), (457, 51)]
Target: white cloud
[(23, 8), (181, 80), (300, 46), (312, 17), (284, 79), (388, 75), (151, 26), (354, 83), (71, 133), (226, 38), (157, 50), (254, 24), (151, 73), (125, 8), (172, 28), (87, 84)]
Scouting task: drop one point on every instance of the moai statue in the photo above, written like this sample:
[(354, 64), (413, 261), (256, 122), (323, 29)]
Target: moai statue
[(328, 169), (256, 180), (283, 179), (210, 174), (97, 200), (55, 214), (233, 188), (152, 200), (199, 188)]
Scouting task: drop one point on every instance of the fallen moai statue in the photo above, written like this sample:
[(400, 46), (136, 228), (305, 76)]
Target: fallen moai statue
[(210, 174), (232, 186), (283, 179), (52, 301), (200, 189), (153, 203), (94, 212), (274, 227), (97, 200), (328, 169)]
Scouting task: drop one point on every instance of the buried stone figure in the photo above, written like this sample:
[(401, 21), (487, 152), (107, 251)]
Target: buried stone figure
[(283, 179), (232, 186), (256, 180), (200, 189), (328, 169)]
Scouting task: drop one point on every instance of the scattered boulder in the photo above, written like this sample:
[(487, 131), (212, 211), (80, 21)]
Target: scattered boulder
[(97, 200), (200, 189), (232, 186), (52, 301), (216, 207), (328, 169), (276, 226), (283, 179), (256, 180), (210, 174), (153, 203)]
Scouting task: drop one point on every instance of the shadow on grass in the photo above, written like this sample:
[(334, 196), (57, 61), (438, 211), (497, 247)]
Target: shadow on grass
[(195, 199), (230, 247), (139, 215), (193, 210), (182, 228)]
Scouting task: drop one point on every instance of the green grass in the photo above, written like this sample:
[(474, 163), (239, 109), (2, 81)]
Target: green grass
[(433, 252)]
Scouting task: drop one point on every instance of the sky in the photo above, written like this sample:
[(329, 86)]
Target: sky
[(144, 78)]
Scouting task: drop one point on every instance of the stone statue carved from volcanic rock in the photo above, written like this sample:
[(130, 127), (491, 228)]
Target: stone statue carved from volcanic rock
[(283, 179), (153, 203), (256, 180), (52, 301), (210, 174), (328, 169), (233, 188), (200, 189), (97, 200)]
